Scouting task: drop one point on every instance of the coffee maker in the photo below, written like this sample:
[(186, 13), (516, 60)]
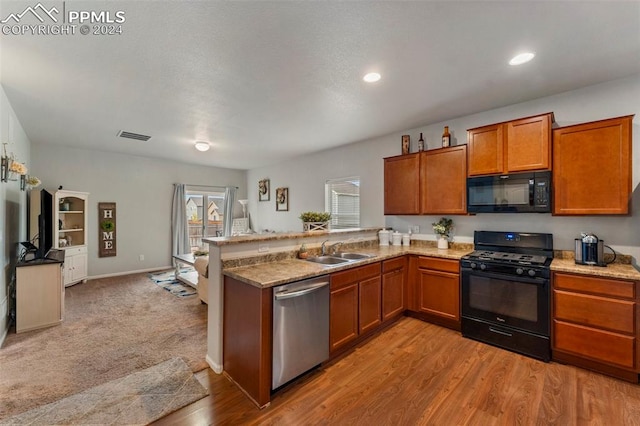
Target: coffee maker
[(589, 250)]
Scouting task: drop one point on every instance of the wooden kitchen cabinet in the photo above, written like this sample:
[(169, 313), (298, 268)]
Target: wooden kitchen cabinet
[(429, 182), (369, 315), (354, 307), (594, 324), (443, 181), (436, 290), (511, 147), (402, 184), (393, 287), (592, 168)]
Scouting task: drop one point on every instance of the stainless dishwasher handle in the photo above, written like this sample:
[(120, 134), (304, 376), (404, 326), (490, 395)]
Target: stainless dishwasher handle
[(297, 293)]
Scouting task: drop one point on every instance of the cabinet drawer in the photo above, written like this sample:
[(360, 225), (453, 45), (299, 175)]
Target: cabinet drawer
[(594, 285), (595, 311), (438, 264), (393, 264), (340, 279), (599, 345)]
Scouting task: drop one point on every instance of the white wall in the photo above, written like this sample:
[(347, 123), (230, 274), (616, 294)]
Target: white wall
[(305, 176), (142, 189), (12, 205)]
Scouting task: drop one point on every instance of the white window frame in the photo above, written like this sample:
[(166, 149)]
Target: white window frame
[(335, 189)]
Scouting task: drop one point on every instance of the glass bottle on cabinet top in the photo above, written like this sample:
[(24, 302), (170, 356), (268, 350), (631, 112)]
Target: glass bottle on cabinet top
[(70, 233), (446, 137)]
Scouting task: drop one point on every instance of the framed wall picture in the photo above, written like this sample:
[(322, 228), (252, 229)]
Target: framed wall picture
[(406, 142), (263, 190), (282, 199)]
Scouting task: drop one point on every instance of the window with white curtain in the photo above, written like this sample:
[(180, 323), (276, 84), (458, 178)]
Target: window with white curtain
[(342, 200)]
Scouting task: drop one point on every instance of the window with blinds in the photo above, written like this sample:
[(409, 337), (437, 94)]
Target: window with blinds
[(343, 202)]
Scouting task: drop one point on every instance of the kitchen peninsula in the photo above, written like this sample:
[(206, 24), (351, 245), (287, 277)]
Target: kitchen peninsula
[(253, 249), (366, 296)]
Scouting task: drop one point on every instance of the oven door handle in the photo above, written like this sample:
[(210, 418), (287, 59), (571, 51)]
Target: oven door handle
[(504, 333), (505, 277)]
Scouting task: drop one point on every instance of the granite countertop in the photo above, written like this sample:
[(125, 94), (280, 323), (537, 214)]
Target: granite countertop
[(284, 271), (248, 238), (613, 270)]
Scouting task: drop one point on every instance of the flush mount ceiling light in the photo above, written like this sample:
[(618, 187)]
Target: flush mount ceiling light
[(202, 146), (372, 77), (521, 58)]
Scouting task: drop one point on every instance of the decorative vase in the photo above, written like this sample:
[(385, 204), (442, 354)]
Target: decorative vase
[(443, 243)]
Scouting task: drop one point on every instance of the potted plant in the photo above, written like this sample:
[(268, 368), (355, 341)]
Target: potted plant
[(315, 221), (443, 228)]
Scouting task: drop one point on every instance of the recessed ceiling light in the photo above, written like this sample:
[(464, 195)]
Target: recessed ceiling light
[(202, 146), (372, 77), (521, 58)]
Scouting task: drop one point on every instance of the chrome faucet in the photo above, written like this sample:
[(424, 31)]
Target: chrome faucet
[(332, 248)]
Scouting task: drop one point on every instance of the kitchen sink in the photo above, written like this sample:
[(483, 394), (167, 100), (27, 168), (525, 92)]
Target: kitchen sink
[(328, 260), (352, 256), (338, 258)]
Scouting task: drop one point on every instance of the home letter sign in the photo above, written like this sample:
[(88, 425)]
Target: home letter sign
[(107, 229)]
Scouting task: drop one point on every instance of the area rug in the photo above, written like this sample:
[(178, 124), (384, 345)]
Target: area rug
[(112, 327), (136, 399), (168, 281)]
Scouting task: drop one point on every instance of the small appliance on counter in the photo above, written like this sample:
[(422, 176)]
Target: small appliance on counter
[(590, 250)]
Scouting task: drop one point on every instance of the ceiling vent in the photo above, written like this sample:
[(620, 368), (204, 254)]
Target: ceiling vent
[(136, 136)]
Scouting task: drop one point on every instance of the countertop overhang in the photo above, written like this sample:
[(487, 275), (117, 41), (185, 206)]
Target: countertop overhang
[(249, 238)]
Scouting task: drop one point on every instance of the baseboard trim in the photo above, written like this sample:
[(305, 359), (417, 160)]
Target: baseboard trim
[(217, 368), (138, 271)]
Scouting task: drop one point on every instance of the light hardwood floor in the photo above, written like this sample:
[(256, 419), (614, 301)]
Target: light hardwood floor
[(418, 373)]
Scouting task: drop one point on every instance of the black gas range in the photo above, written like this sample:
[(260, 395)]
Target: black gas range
[(506, 291)]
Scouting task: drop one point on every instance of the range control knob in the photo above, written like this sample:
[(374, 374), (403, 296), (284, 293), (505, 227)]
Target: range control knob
[(519, 271), (483, 266), (532, 273)]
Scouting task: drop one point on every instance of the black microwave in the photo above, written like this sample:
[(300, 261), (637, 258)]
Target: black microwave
[(514, 193)]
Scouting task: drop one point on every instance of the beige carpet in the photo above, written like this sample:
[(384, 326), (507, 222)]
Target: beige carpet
[(112, 328), (136, 399)]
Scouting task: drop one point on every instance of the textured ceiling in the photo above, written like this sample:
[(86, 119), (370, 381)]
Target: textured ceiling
[(264, 81)]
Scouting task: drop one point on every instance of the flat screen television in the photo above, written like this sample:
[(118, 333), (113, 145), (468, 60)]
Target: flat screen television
[(45, 224)]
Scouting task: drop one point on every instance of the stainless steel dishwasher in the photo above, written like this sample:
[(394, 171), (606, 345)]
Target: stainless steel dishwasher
[(300, 328)]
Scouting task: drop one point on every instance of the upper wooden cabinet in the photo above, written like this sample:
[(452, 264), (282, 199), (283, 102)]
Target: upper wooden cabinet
[(402, 184), (429, 182), (592, 167), (443, 181), (514, 146)]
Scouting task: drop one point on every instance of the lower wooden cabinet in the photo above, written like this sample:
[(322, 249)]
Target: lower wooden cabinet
[(595, 324), (369, 315), (436, 290), (344, 315), (393, 287), (355, 304)]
